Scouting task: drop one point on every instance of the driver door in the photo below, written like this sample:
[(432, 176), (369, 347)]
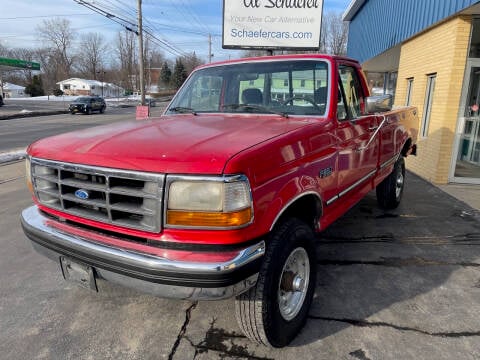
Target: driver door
[(356, 162)]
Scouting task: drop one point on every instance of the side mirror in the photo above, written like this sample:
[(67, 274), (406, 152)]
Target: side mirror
[(379, 103)]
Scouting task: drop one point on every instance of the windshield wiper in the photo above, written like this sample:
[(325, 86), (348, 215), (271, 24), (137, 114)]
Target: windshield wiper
[(183, 110), (254, 107)]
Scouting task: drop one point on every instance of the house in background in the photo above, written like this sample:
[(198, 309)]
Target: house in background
[(77, 86), (427, 54), (13, 91)]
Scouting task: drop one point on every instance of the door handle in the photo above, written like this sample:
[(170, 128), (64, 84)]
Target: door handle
[(372, 128), (377, 129)]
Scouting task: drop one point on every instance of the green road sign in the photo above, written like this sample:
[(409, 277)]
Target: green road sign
[(15, 64)]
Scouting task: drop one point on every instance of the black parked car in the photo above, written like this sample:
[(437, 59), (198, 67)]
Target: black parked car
[(87, 105)]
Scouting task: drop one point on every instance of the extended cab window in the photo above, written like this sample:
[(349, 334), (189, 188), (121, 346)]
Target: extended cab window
[(350, 91)]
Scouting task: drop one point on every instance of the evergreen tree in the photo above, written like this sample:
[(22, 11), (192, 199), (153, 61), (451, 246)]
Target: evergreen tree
[(165, 75), (179, 74), (35, 88)]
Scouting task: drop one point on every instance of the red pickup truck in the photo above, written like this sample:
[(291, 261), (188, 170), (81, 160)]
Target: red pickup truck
[(223, 194)]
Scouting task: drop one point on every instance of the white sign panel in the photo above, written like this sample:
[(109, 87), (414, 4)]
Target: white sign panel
[(263, 24)]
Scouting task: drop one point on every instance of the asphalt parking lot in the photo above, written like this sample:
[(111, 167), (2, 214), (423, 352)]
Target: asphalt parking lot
[(402, 284)]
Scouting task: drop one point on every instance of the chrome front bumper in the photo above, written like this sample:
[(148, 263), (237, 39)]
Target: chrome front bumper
[(147, 273)]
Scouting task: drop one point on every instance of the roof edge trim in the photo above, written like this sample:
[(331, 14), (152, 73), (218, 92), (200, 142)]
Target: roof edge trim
[(352, 9)]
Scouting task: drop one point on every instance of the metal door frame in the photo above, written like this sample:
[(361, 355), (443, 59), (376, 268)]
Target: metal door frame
[(471, 63)]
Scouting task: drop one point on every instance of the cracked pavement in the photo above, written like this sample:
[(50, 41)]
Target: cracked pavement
[(403, 284)]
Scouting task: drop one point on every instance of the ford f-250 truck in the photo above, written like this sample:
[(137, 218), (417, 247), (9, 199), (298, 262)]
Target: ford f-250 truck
[(223, 194)]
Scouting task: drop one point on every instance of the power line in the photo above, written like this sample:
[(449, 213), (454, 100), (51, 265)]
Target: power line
[(128, 25), (149, 29), (41, 16), (179, 29), (163, 43), (194, 16)]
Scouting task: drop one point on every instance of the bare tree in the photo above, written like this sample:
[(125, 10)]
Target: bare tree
[(333, 38), (126, 49), (154, 59), (336, 33), (58, 35), (48, 68), (3, 51), (26, 75), (91, 55), (323, 37)]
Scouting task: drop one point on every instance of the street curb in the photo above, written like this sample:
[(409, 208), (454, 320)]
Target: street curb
[(13, 155), (31, 114)]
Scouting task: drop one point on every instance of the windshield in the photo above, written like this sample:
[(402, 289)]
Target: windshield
[(82, 99), (298, 87)]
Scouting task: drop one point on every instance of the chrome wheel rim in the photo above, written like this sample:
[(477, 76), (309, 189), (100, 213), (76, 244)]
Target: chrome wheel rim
[(399, 184), (293, 283)]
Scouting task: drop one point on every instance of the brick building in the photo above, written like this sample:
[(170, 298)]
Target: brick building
[(427, 54)]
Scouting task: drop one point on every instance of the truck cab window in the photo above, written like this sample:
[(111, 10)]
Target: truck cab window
[(352, 91), (341, 109)]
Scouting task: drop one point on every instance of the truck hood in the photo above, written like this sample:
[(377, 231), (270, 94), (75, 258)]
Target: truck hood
[(170, 144)]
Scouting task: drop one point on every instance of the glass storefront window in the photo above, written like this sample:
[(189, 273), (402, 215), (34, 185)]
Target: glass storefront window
[(468, 157), (381, 83), (474, 51)]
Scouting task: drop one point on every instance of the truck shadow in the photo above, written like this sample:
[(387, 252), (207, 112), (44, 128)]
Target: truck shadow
[(381, 268)]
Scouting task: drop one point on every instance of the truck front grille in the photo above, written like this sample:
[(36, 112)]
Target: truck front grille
[(119, 197)]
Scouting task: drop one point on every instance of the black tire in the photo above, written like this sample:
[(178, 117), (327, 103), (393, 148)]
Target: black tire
[(102, 109), (258, 311), (390, 190)]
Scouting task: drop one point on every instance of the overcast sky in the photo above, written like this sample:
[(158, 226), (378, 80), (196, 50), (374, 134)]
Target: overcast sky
[(185, 24)]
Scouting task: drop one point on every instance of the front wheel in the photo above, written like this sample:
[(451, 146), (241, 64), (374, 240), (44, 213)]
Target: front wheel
[(276, 308), (390, 190)]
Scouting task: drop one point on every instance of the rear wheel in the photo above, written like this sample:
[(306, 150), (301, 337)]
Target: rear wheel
[(276, 308), (102, 109), (390, 190)]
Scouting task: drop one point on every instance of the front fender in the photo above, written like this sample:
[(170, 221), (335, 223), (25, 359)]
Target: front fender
[(272, 205)]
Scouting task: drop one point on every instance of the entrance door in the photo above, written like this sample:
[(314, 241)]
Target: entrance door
[(466, 168)]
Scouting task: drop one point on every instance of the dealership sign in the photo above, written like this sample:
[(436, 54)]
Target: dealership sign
[(272, 24)]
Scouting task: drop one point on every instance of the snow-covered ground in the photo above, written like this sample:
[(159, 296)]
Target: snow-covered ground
[(12, 155), (43, 98), (69, 98)]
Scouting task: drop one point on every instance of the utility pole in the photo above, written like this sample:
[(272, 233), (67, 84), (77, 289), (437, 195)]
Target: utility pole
[(140, 53), (210, 55)]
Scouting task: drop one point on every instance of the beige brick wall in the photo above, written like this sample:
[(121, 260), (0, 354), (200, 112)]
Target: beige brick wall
[(441, 50)]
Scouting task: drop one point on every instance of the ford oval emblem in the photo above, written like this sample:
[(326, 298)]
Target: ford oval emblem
[(82, 194)]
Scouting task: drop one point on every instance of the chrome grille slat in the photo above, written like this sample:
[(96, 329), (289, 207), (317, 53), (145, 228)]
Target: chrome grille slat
[(125, 191), (83, 185), (47, 177), (73, 199), (48, 192), (118, 197), (132, 209)]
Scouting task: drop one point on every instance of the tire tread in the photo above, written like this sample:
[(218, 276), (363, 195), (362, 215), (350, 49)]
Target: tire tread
[(249, 306)]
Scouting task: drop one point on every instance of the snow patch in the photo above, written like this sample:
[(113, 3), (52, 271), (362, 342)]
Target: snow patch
[(12, 155)]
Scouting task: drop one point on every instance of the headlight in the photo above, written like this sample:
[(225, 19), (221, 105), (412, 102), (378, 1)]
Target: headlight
[(28, 174), (208, 202)]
